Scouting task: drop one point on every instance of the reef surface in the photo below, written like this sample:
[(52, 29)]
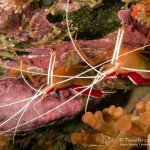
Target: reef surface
[(37, 55)]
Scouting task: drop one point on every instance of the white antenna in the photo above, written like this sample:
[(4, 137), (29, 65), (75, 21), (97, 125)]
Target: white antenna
[(118, 45)]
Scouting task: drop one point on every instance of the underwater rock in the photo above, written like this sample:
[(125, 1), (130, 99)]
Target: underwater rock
[(22, 103), (27, 23), (134, 37), (136, 33), (28, 45), (137, 94), (98, 22)]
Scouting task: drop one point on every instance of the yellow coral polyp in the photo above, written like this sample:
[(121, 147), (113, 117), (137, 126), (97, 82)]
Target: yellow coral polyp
[(127, 126), (97, 122)]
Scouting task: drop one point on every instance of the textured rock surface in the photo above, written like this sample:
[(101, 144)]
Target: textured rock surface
[(29, 34), (15, 95)]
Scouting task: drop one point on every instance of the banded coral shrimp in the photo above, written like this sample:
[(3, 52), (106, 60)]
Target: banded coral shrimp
[(67, 100), (47, 90), (55, 107)]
